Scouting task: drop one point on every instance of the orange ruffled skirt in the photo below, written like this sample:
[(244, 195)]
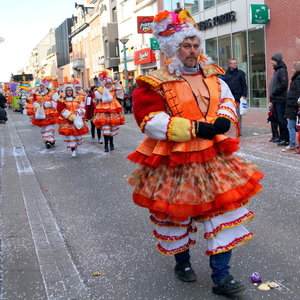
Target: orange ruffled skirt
[(70, 129), (200, 190)]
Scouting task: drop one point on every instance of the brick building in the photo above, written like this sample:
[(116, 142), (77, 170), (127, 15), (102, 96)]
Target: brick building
[(282, 33)]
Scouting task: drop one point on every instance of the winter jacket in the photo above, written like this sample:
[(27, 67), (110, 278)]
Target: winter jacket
[(236, 80), (279, 83), (3, 115), (293, 94)]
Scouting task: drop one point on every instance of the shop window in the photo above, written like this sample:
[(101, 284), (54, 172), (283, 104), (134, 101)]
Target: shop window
[(257, 68), (221, 1), (212, 49), (209, 3), (171, 5), (239, 44), (224, 49), (192, 6)]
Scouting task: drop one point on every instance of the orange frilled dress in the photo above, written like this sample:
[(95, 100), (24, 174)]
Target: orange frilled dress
[(68, 108), (108, 116), (51, 112), (182, 178)]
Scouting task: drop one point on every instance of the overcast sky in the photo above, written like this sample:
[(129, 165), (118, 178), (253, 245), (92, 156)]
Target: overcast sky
[(23, 24)]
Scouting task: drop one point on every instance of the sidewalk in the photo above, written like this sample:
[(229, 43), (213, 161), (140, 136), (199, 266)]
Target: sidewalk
[(35, 261), (255, 122)]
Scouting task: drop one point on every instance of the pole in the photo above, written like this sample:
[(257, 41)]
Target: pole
[(125, 68)]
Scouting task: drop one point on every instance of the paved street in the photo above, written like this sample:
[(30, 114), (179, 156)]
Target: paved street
[(64, 218)]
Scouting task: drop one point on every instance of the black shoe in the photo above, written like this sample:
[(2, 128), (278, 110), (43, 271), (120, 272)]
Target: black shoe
[(48, 145), (228, 286), (277, 140), (52, 143), (283, 143), (106, 148), (185, 272)]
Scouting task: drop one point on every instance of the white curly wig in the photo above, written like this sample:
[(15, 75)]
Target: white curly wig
[(170, 29)]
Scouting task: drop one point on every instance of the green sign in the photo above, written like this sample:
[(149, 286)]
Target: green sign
[(259, 14), (154, 45)]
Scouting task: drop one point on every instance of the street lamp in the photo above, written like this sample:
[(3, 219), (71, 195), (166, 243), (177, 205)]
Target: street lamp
[(124, 41)]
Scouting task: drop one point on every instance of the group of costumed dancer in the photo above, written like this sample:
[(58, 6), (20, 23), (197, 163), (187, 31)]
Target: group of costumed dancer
[(47, 107)]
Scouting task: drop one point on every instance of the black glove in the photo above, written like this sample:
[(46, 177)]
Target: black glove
[(205, 130), (222, 125)]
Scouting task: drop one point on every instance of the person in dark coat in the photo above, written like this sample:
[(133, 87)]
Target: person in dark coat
[(278, 92), (291, 107), (236, 80), (2, 101)]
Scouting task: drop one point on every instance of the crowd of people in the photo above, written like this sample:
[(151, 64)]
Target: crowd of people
[(71, 108), (284, 111)]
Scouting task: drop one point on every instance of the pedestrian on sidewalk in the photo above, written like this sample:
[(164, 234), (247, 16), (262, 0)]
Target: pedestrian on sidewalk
[(291, 108), (71, 119), (90, 105), (236, 80), (278, 91), (187, 170), (45, 112), (108, 112)]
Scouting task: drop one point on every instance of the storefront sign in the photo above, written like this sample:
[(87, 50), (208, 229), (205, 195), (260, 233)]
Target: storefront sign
[(259, 14), (144, 56), (144, 24), (218, 20), (154, 45)]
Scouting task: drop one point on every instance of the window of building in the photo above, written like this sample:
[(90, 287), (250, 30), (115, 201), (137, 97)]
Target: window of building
[(221, 1), (224, 48), (126, 9), (171, 5), (212, 49), (114, 15), (239, 44), (257, 68), (209, 3), (192, 6)]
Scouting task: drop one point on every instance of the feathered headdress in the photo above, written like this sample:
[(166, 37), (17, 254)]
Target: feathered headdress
[(46, 81), (77, 83), (170, 29), (104, 77)]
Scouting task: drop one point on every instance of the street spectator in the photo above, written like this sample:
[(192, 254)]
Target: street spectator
[(291, 108), (90, 105), (108, 112), (187, 170), (71, 119), (2, 101), (45, 99), (236, 80), (278, 91), (3, 115)]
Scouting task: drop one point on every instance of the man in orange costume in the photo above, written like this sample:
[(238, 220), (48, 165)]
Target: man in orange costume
[(187, 170)]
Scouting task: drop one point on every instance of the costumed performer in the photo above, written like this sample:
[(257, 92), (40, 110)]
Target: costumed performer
[(108, 112), (187, 170), (71, 118), (45, 99)]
